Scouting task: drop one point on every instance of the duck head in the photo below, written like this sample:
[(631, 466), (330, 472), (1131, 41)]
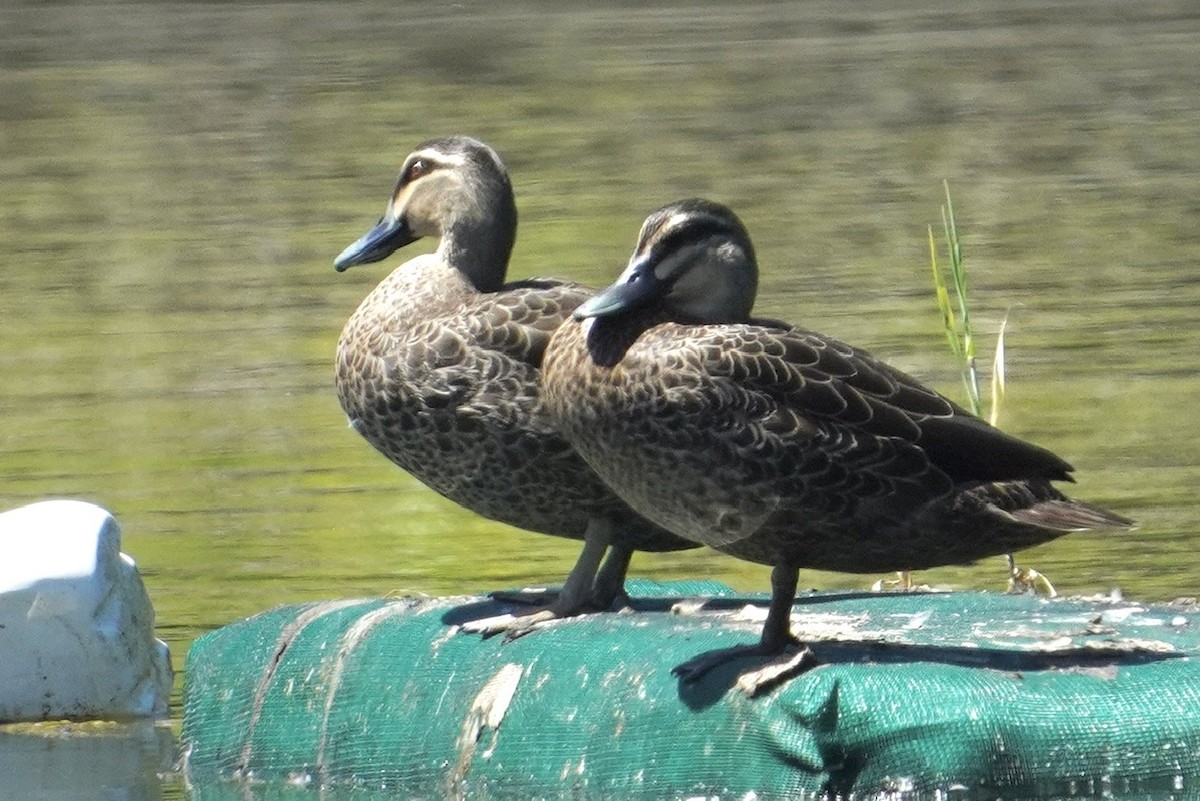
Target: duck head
[(456, 188), (693, 259)]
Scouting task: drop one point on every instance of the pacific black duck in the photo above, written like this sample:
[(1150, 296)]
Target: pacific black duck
[(438, 369), (779, 445)]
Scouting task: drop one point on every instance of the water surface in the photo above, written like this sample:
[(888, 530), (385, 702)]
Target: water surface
[(178, 177)]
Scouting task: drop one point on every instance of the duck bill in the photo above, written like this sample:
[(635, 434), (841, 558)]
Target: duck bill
[(388, 236), (634, 289)]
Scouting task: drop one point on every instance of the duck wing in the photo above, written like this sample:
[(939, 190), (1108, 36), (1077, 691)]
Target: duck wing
[(819, 380), (497, 350)]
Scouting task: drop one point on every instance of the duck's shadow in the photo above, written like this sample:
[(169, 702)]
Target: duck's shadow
[(718, 681), (711, 687)]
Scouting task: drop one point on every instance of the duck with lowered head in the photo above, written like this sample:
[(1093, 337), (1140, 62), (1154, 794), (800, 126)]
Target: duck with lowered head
[(776, 444)]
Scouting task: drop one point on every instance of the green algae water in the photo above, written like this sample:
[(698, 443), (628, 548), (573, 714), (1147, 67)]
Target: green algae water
[(178, 178)]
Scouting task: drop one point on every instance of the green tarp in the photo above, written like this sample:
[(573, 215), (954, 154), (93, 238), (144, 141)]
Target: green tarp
[(931, 695)]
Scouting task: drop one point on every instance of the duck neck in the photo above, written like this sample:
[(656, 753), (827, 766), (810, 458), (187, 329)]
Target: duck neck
[(478, 245)]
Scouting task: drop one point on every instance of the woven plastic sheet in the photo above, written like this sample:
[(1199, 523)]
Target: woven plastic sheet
[(918, 695)]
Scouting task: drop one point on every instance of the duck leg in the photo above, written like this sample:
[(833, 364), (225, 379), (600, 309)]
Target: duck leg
[(572, 600), (776, 640), (609, 586)]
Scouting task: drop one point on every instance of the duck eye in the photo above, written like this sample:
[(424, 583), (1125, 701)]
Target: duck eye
[(418, 168)]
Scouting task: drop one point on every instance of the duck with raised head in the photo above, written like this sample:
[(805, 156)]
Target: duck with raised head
[(779, 445), (438, 369)]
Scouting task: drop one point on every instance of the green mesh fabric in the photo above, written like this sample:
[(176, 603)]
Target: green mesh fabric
[(923, 695)]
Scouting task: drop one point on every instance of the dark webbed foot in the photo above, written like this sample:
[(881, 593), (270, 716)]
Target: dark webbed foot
[(794, 661), (795, 658), (530, 596), (777, 640), (588, 588), (569, 602), (513, 626)]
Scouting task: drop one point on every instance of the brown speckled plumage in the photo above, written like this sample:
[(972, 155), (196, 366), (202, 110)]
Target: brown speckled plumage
[(776, 444), (443, 380), (439, 367)]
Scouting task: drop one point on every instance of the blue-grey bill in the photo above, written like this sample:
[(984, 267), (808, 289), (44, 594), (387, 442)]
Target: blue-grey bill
[(385, 238), (634, 288)]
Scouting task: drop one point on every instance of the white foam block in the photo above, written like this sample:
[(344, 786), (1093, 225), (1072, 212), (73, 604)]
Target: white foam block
[(76, 625)]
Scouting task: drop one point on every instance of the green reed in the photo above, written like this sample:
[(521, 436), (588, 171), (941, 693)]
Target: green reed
[(956, 315), (956, 322)]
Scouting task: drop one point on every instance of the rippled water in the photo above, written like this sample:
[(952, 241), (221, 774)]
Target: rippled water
[(178, 177)]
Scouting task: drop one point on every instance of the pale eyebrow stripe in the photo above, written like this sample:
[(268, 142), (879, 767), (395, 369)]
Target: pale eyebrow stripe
[(455, 160)]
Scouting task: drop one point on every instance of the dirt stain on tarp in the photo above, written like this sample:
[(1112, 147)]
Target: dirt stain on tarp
[(487, 711)]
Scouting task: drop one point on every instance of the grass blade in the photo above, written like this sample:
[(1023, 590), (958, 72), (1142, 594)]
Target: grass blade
[(949, 324), (998, 386)]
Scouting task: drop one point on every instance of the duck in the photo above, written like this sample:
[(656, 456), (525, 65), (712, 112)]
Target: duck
[(776, 444), (439, 370)]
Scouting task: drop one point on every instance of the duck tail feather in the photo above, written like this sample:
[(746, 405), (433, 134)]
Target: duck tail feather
[(1071, 515)]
